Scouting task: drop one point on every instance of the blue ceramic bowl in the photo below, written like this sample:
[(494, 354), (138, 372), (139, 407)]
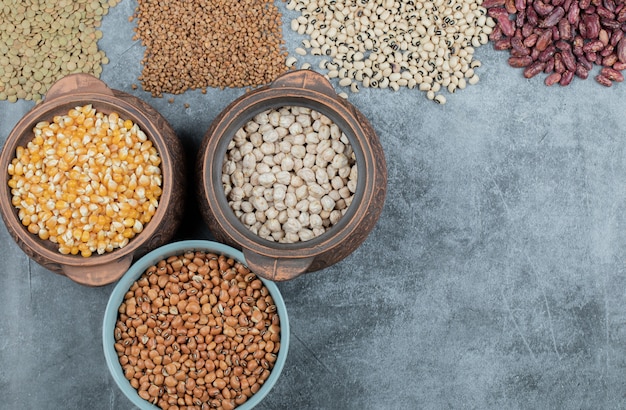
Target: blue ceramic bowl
[(136, 270)]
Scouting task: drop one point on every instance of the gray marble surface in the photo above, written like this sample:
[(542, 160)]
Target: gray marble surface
[(494, 279)]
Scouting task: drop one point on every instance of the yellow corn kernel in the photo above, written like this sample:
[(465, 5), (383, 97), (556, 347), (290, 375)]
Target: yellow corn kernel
[(43, 234), (137, 227), (85, 197)]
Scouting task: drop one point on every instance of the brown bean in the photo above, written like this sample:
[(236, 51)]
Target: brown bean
[(219, 383), (195, 352)]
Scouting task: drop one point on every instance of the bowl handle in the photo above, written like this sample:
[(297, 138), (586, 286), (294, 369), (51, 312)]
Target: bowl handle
[(276, 269), (98, 275), (307, 79), (73, 83)]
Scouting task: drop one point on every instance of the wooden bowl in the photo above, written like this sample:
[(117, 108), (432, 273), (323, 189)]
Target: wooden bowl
[(277, 261), (77, 90)]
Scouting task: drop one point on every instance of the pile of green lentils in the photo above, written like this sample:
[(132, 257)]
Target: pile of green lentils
[(41, 41)]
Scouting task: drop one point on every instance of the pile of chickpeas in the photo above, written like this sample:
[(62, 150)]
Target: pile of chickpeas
[(290, 174), (196, 331)]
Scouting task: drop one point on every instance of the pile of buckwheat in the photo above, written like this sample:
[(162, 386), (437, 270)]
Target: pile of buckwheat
[(198, 44)]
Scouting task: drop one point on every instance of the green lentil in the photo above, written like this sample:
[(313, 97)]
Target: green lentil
[(41, 41)]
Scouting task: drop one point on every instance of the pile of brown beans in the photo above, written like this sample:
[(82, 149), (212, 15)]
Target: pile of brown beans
[(562, 38), (197, 331)]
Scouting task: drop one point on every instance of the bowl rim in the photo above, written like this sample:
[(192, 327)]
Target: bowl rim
[(136, 270)]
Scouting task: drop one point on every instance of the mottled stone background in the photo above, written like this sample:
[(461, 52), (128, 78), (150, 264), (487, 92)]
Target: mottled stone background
[(494, 279)]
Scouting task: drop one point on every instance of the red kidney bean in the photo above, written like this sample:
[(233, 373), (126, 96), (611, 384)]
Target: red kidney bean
[(569, 60), (615, 37), (610, 5), (621, 50), (603, 80), (530, 40), (545, 37), (573, 14), (582, 72), (592, 25), (519, 46), (502, 44), (585, 63), (492, 3), (534, 69), (606, 51), (547, 53), (520, 19), (519, 62), (605, 13), (566, 78), (612, 74), (506, 25), (565, 29), (559, 67), (553, 18), (593, 46), (509, 6), (552, 79), (542, 8)]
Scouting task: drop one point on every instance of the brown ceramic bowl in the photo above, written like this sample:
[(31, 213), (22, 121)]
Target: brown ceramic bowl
[(96, 270), (277, 261)]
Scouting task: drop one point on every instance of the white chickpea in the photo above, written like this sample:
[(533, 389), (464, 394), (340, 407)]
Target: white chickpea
[(288, 174)]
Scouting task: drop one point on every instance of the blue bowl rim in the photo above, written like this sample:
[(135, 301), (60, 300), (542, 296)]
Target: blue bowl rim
[(136, 270)]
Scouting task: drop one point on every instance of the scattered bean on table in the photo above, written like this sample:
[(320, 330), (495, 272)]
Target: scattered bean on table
[(197, 329), (87, 181), (391, 44), (290, 174)]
